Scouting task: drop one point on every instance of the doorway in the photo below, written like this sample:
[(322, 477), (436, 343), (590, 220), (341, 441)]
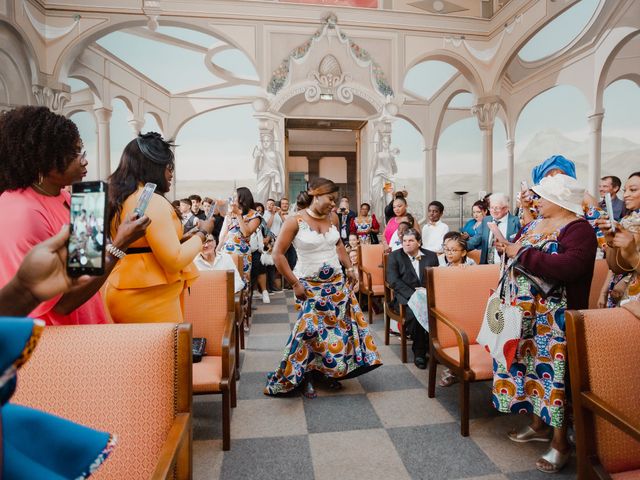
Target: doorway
[(323, 148)]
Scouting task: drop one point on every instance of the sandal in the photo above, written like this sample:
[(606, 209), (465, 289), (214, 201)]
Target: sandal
[(308, 391), (528, 434), (556, 459), (448, 378)]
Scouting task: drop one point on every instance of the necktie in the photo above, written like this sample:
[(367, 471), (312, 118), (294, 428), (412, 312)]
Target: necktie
[(491, 253)]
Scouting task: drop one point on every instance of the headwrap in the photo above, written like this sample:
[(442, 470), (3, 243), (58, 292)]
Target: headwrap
[(152, 146), (551, 163)]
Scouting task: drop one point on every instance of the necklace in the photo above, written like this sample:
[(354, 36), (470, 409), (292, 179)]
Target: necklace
[(41, 190), (313, 214)]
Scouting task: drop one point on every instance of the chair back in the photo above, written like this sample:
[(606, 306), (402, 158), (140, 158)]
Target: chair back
[(207, 306), (388, 292), (603, 348), (460, 294), (600, 271), (370, 258), (474, 255), (127, 379)]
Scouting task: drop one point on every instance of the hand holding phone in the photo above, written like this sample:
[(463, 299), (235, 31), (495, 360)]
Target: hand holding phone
[(145, 197), (609, 206), (497, 234)]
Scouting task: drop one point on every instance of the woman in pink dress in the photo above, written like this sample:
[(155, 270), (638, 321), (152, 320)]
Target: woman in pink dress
[(400, 215), (42, 153)]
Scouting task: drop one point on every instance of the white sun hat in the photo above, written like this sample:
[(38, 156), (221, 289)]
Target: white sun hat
[(562, 190)]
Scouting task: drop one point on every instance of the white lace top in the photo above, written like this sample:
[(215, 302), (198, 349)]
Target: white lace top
[(315, 250)]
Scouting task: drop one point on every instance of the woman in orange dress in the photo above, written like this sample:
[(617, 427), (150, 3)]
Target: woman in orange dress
[(147, 285)]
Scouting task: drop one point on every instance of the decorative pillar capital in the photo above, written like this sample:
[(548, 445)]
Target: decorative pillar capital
[(486, 115), (595, 122), (53, 99), (103, 115)]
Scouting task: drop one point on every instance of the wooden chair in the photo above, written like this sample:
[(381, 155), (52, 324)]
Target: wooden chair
[(210, 309), (457, 299), (600, 272), (132, 380), (474, 255), (603, 361), (390, 313), (371, 274)]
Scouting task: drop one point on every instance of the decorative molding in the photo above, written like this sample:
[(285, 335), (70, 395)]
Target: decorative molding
[(280, 76), (486, 114), (54, 100), (49, 32)]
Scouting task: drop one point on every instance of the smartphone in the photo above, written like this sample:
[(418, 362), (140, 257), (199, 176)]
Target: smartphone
[(143, 201), (86, 246), (524, 186), (609, 205)]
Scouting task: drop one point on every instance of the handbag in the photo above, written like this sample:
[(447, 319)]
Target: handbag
[(198, 347), (544, 286), (501, 328)]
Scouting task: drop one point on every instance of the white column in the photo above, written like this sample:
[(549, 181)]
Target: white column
[(595, 152), (136, 125), (103, 116), (510, 170), (429, 176), (486, 114)]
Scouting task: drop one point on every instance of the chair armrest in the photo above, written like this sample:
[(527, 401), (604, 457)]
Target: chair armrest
[(228, 347), (609, 413), (179, 433), (461, 336), (369, 284)]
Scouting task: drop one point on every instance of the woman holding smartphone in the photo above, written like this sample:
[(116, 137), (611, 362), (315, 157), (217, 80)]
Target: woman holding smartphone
[(41, 154), (147, 285)]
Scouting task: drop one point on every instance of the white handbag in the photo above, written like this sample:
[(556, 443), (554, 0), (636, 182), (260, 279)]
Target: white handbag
[(502, 324)]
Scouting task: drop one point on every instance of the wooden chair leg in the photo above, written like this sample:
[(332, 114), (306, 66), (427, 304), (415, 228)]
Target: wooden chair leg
[(226, 420), (403, 344), (464, 408), (370, 305), (387, 328), (237, 369), (233, 392), (433, 369)]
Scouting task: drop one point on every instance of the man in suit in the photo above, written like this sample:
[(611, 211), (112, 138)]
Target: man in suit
[(345, 215), (508, 224), (405, 273)]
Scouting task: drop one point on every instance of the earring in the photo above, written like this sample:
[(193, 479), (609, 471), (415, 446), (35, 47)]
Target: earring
[(40, 179)]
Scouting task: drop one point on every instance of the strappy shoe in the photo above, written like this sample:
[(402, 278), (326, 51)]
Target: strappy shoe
[(448, 378), (556, 459), (528, 434), (308, 391)]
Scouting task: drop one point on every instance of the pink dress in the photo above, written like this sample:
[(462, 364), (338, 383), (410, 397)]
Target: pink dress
[(392, 226), (27, 219)]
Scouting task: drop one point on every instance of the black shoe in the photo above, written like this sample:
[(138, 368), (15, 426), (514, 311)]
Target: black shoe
[(420, 362)]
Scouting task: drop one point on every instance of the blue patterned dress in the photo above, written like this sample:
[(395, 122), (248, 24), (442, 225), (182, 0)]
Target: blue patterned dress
[(331, 334)]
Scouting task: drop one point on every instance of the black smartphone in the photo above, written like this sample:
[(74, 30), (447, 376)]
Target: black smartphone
[(86, 246)]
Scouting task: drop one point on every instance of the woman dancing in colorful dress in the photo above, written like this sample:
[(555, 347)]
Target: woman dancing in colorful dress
[(331, 336)]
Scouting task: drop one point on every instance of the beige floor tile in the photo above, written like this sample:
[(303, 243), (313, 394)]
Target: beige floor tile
[(491, 436), (268, 417), (349, 387), (264, 308), (388, 356), (408, 408), (283, 329), (207, 459), (261, 361), (488, 477), (377, 457)]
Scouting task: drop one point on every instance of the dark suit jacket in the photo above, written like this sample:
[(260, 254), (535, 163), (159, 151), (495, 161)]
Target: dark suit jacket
[(401, 275), (347, 221), (481, 239)]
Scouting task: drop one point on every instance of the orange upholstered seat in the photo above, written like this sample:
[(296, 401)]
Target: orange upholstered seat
[(132, 380), (371, 273), (474, 255), (605, 375), (209, 307), (457, 299)]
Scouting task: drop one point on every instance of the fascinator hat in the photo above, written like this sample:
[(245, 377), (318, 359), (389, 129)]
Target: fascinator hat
[(155, 148), (562, 190), (554, 162)]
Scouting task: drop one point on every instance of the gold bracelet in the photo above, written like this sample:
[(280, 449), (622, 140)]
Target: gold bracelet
[(625, 269)]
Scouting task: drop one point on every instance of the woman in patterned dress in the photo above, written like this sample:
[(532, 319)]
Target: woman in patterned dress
[(242, 220), (331, 335), (365, 226), (562, 248)]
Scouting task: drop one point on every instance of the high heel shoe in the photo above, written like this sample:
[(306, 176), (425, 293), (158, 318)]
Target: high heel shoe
[(555, 458)]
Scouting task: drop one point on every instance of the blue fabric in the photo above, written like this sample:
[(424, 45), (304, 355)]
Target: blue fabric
[(551, 163), (469, 227), (37, 444), (481, 241)]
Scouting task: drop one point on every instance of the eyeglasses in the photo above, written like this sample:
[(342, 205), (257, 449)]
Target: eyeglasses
[(171, 167), (450, 250), (81, 155)]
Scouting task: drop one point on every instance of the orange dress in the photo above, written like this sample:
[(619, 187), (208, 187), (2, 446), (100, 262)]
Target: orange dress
[(148, 287)]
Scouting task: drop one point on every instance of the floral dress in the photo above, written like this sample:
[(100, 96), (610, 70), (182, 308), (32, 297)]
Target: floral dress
[(632, 289), (331, 334), (240, 245), (535, 383)]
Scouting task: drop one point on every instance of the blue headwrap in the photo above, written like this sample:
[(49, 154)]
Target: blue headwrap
[(551, 163)]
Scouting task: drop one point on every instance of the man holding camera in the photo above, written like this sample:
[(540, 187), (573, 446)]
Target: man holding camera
[(345, 215)]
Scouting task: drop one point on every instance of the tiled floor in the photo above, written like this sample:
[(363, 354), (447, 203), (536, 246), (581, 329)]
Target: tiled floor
[(380, 425)]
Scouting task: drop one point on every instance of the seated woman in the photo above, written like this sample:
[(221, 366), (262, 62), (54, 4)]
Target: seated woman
[(623, 257), (149, 283), (560, 247), (207, 259), (479, 210)]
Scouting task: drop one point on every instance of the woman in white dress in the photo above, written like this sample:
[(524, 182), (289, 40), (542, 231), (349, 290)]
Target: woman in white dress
[(331, 335)]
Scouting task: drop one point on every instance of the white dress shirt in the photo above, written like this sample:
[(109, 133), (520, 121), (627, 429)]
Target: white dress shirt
[(502, 225), (276, 225), (433, 234), (221, 262)]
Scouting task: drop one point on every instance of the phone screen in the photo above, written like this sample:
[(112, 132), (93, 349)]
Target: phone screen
[(86, 247), (609, 206)]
